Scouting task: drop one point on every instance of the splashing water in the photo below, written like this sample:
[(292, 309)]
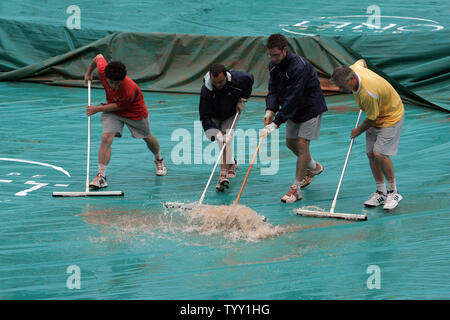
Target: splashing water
[(312, 208), (235, 222)]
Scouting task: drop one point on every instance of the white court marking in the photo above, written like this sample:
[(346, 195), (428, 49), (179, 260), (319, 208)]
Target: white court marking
[(38, 163), (6, 181), (36, 185)]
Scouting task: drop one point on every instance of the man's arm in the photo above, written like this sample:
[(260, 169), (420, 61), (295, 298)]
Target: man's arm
[(247, 85), (204, 109), (272, 103), (294, 92), (91, 68), (362, 62), (372, 111), (110, 107), (362, 128)]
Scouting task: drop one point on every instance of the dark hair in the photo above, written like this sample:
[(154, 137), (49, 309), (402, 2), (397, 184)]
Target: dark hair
[(116, 71), (341, 74), (216, 69), (276, 40)]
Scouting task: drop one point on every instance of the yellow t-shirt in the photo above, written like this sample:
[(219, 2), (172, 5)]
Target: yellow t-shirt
[(377, 98)]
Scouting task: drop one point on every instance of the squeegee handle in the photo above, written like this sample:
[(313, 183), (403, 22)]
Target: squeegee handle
[(333, 205), (89, 139), (217, 162), (248, 171)]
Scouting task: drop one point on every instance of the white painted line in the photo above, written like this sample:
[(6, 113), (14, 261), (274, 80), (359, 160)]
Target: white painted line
[(61, 185), (38, 163), (380, 16), (36, 185), (90, 193), (302, 34), (6, 181)]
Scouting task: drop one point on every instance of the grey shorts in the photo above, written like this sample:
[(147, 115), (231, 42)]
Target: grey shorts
[(308, 130), (384, 140), (112, 123), (222, 125)]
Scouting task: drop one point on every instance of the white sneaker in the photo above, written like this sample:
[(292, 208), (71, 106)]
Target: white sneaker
[(98, 182), (311, 173), (393, 198), (223, 182), (232, 169), (294, 194), (161, 169), (376, 199)]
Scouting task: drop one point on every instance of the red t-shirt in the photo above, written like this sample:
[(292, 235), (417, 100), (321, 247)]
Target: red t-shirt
[(128, 97)]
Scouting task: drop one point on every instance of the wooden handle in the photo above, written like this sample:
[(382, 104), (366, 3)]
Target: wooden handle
[(248, 172)]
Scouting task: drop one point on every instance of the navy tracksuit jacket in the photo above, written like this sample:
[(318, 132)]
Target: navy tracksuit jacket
[(221, 104), (295, 86)]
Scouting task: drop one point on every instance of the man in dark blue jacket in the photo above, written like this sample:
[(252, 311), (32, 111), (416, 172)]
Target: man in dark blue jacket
[(222, 98), (295, 86)]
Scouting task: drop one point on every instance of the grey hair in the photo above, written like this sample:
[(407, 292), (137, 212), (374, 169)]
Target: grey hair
[(341, 74)]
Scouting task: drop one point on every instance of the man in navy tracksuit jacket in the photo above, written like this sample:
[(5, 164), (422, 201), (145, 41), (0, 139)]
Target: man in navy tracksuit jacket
[(222, 99), (295, 86)]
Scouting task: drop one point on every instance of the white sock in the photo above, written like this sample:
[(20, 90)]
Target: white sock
[(102, 169), (298, 183), (392, 186), (312, 164), (381, 186), (158, 156)]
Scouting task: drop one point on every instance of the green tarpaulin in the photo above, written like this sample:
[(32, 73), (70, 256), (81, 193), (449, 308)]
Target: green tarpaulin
[(406, 41), (177, 62)]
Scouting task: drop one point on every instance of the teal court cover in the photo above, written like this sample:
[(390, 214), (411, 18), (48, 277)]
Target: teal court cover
[(132, 247)]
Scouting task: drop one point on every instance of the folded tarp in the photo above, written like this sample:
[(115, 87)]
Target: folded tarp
[(176, 63)]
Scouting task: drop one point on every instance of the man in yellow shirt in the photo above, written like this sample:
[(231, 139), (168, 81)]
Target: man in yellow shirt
[(383, 125)]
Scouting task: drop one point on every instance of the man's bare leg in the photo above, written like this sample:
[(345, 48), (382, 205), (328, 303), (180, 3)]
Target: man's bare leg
[(304, 157), (104, 152), (153, 146), (384, 164), (300, 147), (104, 156), (223, 179)]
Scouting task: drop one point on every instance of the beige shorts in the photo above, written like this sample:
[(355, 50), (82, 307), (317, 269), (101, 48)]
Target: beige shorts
[(112, 123), (384, 140), (308, 130)]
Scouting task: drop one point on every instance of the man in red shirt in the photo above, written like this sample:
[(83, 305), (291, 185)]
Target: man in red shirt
[(125, 105)]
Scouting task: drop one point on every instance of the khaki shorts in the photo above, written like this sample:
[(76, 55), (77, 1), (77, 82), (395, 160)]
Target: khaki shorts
[(112, 123), (308, 130), (384, 140)]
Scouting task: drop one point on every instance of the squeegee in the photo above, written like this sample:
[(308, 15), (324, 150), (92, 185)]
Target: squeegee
[(331, 213), (87, 193)]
